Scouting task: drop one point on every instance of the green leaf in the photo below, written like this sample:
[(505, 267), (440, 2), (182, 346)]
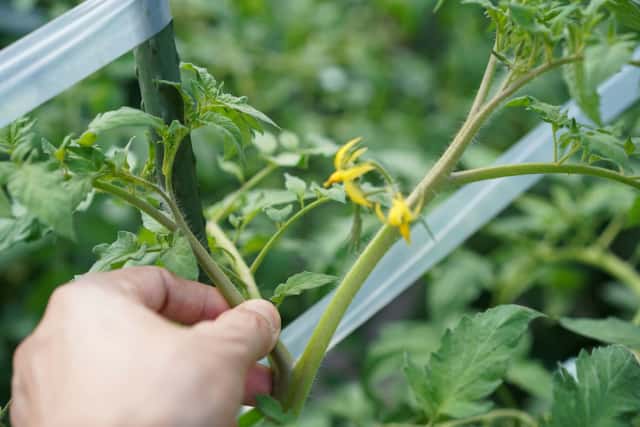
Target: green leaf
[(470, 363), (250, 418), (582, 90), (278, 215), (6, 169), (78, 188), (228, 131), (610, 330), (5, 205), (18, 230), (549, 113), (606, 147), (44, 194), (299, 283), (18, 139), (272, 410), (335, 192), (179, 258), (634, 213), (603, 393), (531, 377), (231, 168), (524, 16), (114, 255), (122, 117), (627, 12), (152, 225), (295, 185)]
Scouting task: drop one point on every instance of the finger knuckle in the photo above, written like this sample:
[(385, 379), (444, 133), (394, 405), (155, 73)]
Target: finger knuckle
[(61, 295)]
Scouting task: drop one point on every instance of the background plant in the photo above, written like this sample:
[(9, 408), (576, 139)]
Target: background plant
[(580, 138)]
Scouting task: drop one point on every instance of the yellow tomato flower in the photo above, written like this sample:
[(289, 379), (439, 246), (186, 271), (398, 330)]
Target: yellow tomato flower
[(400, 216), (347, 171)]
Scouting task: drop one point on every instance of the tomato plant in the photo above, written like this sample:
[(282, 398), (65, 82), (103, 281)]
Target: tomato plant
[(45, 182)]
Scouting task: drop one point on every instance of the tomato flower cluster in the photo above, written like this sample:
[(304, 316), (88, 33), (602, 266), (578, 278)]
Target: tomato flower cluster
[(349, 171)]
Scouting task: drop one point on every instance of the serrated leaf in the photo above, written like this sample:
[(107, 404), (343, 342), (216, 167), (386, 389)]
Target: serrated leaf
[(299, 283), (471, 362), (610, 330), (18, 139), (272, 410), (228, 131), (549, 113), (607, 147), (247, 109), (179, 258), (278, 215), (604, 391), (44, 194), (122, 117), (114, 255), (152, 225)]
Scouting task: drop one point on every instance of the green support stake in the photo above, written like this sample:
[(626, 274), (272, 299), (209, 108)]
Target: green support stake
[(157, 59)]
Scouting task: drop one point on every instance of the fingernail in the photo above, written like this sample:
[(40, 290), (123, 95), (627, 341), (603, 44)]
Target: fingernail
[(266, 310)]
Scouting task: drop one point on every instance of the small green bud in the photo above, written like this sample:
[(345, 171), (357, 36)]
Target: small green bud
[(87, 139)]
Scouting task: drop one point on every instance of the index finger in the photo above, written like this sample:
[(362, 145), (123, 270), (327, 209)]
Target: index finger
[(159, 290)]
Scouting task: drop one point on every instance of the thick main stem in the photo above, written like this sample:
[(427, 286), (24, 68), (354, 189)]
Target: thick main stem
[(157, 59)]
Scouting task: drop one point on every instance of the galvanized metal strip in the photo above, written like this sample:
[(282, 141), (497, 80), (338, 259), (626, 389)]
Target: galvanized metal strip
[(53, 58)]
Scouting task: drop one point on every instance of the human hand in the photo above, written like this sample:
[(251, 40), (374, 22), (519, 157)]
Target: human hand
[(109, 353)]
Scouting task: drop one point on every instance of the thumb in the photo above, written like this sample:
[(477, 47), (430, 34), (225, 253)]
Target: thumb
[(243, 335)]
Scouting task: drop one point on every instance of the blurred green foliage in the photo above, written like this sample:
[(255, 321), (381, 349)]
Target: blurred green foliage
[(401, 77)]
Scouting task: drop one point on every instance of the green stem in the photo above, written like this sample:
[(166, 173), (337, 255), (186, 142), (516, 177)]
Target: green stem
[(433, 180), (485, 85), (239, 266), (611, 231), (229, 202), (278, 234), (494, 172), (140, 204), (307, 367), (523, 417)]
